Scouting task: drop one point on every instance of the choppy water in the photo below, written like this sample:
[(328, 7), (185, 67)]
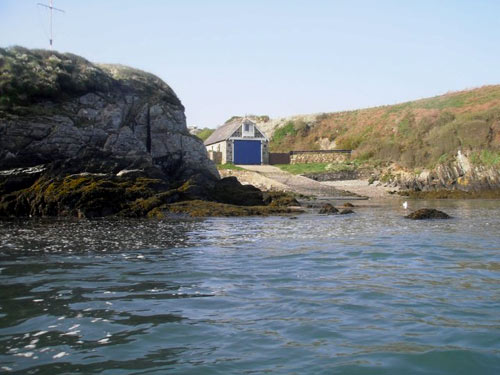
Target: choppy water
[(368, 293)]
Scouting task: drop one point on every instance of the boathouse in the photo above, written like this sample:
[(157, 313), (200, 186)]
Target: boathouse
[(238, 141)]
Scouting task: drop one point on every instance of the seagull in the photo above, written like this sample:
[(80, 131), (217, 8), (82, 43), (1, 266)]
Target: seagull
[(405, 205)]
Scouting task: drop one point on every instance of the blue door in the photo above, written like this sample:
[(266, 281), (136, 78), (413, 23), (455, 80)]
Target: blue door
[(247, 152)]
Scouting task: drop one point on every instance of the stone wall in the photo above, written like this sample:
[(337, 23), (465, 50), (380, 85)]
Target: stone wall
[(303, 157)]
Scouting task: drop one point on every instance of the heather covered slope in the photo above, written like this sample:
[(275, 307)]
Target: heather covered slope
[(415, 134)]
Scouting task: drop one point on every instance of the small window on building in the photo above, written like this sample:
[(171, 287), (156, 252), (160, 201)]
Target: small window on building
[(248, 130)]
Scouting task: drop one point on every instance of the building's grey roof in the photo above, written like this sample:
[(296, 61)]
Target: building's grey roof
[(225, 131)]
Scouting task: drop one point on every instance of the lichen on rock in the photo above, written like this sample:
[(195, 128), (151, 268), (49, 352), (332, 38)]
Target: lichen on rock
[(56, 106)]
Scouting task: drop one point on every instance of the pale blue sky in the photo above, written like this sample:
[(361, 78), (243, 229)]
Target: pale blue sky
[(279, 58)]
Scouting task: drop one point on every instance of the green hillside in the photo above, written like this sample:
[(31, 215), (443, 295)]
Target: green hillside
[(204, 133), (419, 133)]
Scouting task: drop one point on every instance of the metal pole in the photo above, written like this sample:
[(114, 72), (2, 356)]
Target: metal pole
[(51, 6)]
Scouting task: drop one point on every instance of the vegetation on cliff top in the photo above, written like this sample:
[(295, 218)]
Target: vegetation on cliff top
[(204, 133), (27, 76), (419, 133)]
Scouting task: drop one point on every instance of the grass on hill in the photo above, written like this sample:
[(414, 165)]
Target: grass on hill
[(318, 167)]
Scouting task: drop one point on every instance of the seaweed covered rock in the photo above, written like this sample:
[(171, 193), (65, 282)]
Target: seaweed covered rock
[(199, 208), (89, 195), (280, 198), (328, 209), (427, 213), (82, 195)]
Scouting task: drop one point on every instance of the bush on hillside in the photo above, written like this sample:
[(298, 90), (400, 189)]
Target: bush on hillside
[(203, 134)]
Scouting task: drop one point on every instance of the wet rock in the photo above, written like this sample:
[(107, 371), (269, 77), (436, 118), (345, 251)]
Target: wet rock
[(427, 213), (280, 198), (346, 211), (328, 209), (347, 204), (230, 190)]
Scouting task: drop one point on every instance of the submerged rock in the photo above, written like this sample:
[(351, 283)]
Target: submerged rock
[(328, 209), (427, 213), (346, 211)]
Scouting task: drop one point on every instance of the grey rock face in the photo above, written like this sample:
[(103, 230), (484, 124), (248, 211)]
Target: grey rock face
[(459, 174), (70, 106)]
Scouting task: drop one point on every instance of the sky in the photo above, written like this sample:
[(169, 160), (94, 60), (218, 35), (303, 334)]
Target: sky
[(276, 57)]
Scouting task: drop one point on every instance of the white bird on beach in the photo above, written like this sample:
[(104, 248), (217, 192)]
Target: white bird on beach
[(405, 205)]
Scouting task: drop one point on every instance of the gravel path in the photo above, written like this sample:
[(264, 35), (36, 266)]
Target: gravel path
[(298, 184)]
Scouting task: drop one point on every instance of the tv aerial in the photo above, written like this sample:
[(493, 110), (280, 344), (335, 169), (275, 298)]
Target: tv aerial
[(51, 10)]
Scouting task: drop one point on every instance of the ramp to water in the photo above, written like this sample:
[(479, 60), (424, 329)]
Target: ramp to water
[(301, 184)]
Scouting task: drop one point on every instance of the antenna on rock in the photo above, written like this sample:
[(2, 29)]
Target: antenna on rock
[(51, 8)]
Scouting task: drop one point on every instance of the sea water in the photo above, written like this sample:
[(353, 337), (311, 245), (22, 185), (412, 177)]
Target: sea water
[(366, 293)]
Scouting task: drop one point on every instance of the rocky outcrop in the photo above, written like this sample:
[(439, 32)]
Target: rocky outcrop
[(427, 213), (463, 174), (334, 176), (86, 140), (59, 107)]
